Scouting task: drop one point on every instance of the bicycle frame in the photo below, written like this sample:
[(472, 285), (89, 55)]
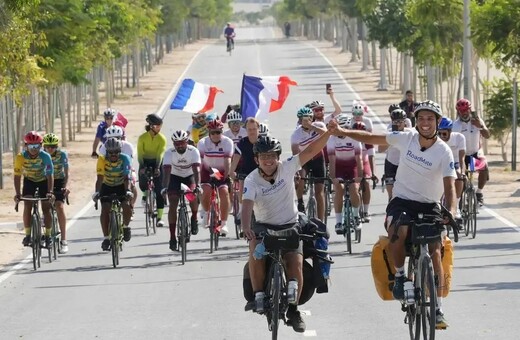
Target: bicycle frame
[(214, 216), (183, 231), (115, 226), (150, 211)]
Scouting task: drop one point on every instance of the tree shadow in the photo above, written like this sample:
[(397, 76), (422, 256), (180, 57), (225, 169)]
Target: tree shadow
[(489, 286)]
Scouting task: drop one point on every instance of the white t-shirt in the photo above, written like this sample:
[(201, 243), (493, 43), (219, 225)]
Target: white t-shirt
[(392, 153), (214, 155), (470, 132), (274, 203), (303, 138), (236, 138), (420, 174), (456, 143), (182, 163), (127, 149)]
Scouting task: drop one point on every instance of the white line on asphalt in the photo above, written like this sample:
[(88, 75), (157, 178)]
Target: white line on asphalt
[(310, 332), (503, 219), (26, 260), (306, 312)]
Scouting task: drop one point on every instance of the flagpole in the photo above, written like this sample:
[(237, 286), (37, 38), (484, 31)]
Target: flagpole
[(242, 95)]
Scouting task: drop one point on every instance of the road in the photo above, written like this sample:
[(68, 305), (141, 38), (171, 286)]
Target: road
[(152, 296)]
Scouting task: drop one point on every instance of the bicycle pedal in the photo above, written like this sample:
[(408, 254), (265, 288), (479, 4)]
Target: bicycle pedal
[(441, 328)]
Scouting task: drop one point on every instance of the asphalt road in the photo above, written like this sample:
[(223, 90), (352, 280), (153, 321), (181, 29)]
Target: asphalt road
[(152, 296)]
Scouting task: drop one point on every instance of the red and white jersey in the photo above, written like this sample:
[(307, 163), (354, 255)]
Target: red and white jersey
[(345, 149), (182, 163), (303, 138), (236, 138), (126, 149), (214, 155)]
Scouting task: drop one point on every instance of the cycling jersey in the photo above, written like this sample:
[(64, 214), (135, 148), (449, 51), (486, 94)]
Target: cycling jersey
[(60, 161), (229, 31), (274, 203), (150, 147), (181, 164), (470, 132), (34, 169), (236, 138), (303, 138), (247, 163), (345, 151), (198, 132), (456, 143), (127, 148), (420, 173), (214, 155), (114, 173)]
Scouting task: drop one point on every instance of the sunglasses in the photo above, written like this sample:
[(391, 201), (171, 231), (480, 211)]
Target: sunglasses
[(444, 133), (398, 121), (318, 109), (266, 156), (113, 153), (215, 132), (357, 113), (33, 146), (50, 146), (180, 143)]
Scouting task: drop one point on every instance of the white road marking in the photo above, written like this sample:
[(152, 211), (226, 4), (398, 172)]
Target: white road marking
[(310, 332)]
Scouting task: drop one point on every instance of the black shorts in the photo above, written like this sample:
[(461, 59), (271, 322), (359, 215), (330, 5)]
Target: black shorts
[(405, 210), (58, 192), (316, 166), (390, 171), (107, 190), (175, 183), (29, 188), (259, 228)]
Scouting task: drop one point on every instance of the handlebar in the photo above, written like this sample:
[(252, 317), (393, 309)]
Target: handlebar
[(451, 222), (112, 197), (29, 199), (315, 179)]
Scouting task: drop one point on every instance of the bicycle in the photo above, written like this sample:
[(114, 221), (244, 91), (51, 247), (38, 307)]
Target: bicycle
[(470, 205), (312, 208), (236, 206), (149, 208), (230, 45), (420, 300), (183, 227), (55, 235), (115, 226), (276, 300), (349, 223), (214, 216), (36, 227), (329, 198), (361, 193)]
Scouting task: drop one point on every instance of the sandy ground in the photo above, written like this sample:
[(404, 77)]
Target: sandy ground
[(156, 85)]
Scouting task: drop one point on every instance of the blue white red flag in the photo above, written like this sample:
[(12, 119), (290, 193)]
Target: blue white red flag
[(194, 97)]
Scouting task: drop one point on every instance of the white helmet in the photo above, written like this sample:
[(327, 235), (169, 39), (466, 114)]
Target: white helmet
[(234, 116), (357, 108), (180, 136), (263, 130), (344, 121), (316, 103), (114, 131)]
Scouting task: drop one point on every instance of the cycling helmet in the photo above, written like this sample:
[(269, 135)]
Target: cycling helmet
[(33, 137), (198, 114), (154, 119), (393, 107), (445, 124), (114, 132), (215, 124), (109, 113), (234, 116), (398, 114), (304, 112), (211, 116), (463, 105), (266, 144), (359, 126), (428, 106), (344, 121), (113, 145), (263, 130), (180, 136), (50, 139), (357, 109), (315, 104)]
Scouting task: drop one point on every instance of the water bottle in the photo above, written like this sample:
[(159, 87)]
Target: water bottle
[(322, 244), (409, 297), (292, 292), (259, 252), (259, 302)]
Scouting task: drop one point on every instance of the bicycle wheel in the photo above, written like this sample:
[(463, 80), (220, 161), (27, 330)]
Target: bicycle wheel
[(465, 212), (358, 236), (428, 300), (212, 229), (154, 212), (311, 207), (238, 229), (347, 223), (183, 232), (472, 213), (36, 240), (114, 236), (148, 216), (55, 235), (275, 294), (327, 203)]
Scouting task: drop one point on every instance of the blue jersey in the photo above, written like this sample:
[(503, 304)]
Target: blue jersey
[(229, 31)]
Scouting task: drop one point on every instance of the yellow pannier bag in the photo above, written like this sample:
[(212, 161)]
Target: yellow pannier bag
[(383, 270), (447, 266)]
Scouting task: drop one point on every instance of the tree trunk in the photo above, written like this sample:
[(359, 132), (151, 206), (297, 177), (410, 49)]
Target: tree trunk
[(353, 39), (364, 43), (382, 71), (78, 108), (60, 93)]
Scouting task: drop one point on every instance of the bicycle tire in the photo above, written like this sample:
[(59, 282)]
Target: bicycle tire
[(276, 295), (428, 298), (358, 235), (347, 222), (147, 217), (183, 229), (465, 211), (55, 235), (114, 235), (473, 213), (154, 213), (238, 229), (212, 229), (35, 240), (311, 207), (412, 316)]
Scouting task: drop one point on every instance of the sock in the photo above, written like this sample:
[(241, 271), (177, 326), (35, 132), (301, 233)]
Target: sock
[(144, 195), (125, 226), (355, 211), (300, 200), (439, 304), (173, 228), (106, 238), (159, 213), (48, 231), (339, 218), (365, 207), (292, 308), (223, 222), (479, 191), (399, 271), (27, 231), (193, 215)]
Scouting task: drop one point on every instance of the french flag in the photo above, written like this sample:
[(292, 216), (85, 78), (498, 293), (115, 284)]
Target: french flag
[(120, 120), (262, 95), (194, 97)]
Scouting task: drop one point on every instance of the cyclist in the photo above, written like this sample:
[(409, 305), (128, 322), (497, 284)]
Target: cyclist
[(181, 165), (361, 122), (457, 143), (408, 106), (199, 128), (216, 151), (109, 115), (426, 168), (128, 149), (300, 139), (35, 165), (407, 121), (270, 192), (151, 146), (113, 177), (345, 163), (263, 129), (243, 161), (235, 132), (473, 128), (60, 161), (229, 33), (318, 107)]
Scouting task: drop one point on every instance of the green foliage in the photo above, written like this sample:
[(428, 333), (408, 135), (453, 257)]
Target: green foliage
[(499, 107)]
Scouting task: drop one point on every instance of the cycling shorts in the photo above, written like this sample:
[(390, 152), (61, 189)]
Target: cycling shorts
[(107, 190), (58, 192), (175, 183), (479, 159), (347, 169), (316, 166), (29, 188), (260, 228), (205, 179), (411, 209)]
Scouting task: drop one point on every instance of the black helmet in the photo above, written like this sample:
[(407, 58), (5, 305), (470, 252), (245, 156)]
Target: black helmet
[(113, 145), (154, 119), (393, 107), (398, 114), (267, 144)]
